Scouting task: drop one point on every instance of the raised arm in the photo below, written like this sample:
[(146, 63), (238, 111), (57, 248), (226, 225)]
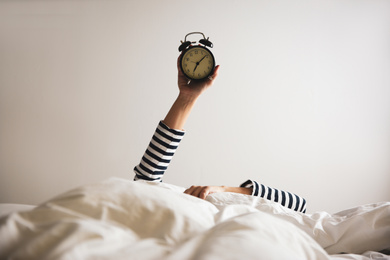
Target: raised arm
[(169, 132)]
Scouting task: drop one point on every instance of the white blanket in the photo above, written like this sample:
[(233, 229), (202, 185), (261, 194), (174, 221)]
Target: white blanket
[(121, 219)]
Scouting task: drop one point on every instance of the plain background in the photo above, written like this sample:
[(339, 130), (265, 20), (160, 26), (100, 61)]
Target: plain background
[(302, 102)]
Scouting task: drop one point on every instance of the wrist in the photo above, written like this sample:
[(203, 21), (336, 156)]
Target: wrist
[(180, 110), (242, 190), (188, 98)]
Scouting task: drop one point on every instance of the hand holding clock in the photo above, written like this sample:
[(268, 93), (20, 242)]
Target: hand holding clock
[(188, 95), (194, 88)]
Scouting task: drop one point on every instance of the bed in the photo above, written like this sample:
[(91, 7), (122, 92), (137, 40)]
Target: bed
[(123, 219)]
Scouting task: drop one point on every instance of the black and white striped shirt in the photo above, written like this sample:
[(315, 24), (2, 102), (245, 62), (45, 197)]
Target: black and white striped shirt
[(162, 148)]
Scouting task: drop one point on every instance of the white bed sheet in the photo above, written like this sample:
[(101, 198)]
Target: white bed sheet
[(122, 219), (8, 208)]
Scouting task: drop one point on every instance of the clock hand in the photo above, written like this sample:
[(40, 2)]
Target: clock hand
[(199, 62), (202, 59), (196, 66)]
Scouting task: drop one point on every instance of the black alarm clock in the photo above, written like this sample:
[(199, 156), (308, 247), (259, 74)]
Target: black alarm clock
[(197, 61)]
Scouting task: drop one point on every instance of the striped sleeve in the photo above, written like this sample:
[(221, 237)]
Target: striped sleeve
[(287, 199), (159, 153)]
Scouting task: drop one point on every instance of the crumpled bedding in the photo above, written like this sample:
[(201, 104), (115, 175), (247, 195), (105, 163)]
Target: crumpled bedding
[(122, 219)]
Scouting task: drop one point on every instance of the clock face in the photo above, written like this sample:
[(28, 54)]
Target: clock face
[(197, 62)]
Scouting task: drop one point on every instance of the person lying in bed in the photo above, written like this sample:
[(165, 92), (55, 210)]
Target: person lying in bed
[(168, 135)]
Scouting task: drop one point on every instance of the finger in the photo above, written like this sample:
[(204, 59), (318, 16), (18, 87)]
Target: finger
[(189, 190), (196, 192), (204, 192), (178, 60), (214, 75), (215, 72), (193, 190), (181, 74)]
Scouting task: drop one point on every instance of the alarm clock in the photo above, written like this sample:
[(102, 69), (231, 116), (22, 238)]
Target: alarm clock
[(197, 61)]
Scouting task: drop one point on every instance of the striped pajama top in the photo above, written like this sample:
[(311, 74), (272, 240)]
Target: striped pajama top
[(162, 148)]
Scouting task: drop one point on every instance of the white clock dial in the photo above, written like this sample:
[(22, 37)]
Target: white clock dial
[(197, 62)]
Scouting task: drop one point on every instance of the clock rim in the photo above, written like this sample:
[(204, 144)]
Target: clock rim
[(189, 48)]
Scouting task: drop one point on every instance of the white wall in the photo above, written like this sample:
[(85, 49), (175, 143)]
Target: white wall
[(302, 102)]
